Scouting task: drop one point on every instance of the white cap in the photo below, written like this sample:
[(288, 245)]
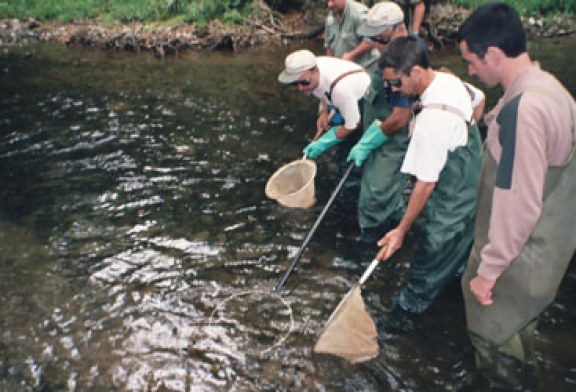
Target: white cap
[(296, 64), (380, 17)]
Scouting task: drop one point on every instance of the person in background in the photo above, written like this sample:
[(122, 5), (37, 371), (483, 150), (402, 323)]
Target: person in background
[(335, 81), (444, 155), (342, 40), (381, 149), (340, 33), (383, 34), (525, 226), (417, 10)]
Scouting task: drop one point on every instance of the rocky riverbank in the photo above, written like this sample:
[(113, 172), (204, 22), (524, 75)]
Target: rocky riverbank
[(163, 40)]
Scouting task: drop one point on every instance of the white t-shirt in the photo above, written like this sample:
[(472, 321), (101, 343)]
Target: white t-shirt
[(437, 132), (347, 92)]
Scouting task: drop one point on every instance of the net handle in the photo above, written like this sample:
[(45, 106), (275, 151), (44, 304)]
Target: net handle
[(373, 265), (282, 281)]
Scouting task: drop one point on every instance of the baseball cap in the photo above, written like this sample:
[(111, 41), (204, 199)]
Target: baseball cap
[(296, 64), (380, 17)]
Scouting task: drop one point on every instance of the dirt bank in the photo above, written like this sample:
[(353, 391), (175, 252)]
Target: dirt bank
[(163, 40)]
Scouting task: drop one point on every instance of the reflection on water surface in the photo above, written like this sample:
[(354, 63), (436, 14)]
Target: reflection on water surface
[(137, 247)]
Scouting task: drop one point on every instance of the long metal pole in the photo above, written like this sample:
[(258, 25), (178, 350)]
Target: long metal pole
[(282, 281)]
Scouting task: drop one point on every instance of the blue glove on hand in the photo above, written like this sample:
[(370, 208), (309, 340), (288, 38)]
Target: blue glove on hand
[(317, 148), (373, 138)]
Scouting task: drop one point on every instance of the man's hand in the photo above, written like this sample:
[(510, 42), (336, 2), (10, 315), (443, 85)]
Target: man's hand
[(348, 56), (482, 289), (394, 239)]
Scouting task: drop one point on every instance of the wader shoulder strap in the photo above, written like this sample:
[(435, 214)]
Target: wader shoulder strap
[(448, 108), (339, 78), (452, 109)]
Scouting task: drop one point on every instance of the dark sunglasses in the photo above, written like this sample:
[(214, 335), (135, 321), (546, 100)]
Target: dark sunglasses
[(304, 82), (396, 83), (381, 40)]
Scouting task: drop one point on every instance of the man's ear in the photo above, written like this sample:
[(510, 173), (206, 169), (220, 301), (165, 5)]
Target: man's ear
[(494, 56), (416, 71)]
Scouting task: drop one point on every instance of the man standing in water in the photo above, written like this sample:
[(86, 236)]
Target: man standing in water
[(444, 154), (341, 39), (381, 149), (525, 229), (334, 81)]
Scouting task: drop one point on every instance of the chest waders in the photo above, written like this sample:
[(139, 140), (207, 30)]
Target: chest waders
[(530, 283), (445, 237), (382, 183), (502, 333)]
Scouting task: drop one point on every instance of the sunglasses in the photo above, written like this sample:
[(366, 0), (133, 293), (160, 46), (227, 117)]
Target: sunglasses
[(381, 40), (396, 83), (304, 82)]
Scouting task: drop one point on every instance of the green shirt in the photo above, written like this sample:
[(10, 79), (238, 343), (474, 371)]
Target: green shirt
[(341, 36)]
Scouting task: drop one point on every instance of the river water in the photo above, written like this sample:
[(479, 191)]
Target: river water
[(138, 250)]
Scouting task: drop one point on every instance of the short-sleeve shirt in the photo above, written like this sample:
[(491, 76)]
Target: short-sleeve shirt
[(347, 92), (437, 132), (341, 37)]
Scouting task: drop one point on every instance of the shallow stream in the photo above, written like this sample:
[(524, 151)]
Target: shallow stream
[(138, 250)]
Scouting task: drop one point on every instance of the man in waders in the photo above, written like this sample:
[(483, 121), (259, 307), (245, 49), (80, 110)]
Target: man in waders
[(444, 154), (334, 81), (340, 83), (381, 149), (525, 229), (342, 40)]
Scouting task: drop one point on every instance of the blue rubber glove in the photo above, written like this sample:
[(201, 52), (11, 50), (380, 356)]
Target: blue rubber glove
[(337, 118), (317, 148), (373, 138)]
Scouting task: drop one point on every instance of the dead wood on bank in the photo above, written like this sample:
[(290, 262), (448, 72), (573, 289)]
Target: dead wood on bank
[(269, 29)]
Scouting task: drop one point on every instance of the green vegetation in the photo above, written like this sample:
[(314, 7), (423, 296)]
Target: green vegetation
[(529, 7), (199, 11), (203, 11)]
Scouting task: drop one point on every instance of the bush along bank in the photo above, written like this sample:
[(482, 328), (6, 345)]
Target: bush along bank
[(163, 40), (136, 37)]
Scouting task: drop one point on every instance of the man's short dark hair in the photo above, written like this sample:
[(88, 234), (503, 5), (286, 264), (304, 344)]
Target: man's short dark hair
[(494, 24), (402, 54)]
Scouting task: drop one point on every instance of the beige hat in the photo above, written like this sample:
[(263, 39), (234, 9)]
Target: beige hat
[(380, 17), (296, 64)]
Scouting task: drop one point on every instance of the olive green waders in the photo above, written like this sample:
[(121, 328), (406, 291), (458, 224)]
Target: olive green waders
[(381, 199), (445, 237), (502, 332)]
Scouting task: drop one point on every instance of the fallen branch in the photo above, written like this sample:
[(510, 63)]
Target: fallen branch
[(261, 26)]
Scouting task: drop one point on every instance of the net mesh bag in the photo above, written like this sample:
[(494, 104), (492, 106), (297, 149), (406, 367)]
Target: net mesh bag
[(293, 184), (350, 332)]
